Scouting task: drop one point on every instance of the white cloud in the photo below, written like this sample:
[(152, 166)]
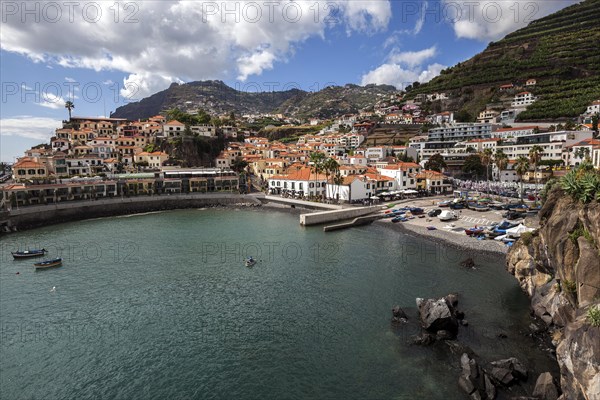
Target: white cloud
[(491, 20), (187, 40), (50, 100), (403, 68), (412, 58), (70, 79), (38, 128), (138, 86)]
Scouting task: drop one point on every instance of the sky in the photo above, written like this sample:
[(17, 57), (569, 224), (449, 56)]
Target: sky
[(103, 54)]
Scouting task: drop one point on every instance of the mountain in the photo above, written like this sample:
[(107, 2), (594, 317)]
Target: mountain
[(335, 100), (561, 51), (216, 97)]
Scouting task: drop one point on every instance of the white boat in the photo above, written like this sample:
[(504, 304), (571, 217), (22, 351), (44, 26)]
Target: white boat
[(250, 262)]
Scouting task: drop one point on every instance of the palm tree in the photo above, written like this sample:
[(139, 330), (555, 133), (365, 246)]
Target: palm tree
[(486, 159), (535, 155), (338, 179), (317, 160), (521, 167), (69, 106), (330, 166), (501, 161)]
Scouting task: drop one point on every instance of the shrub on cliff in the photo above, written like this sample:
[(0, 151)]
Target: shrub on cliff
[(593, 316), (582, 183)]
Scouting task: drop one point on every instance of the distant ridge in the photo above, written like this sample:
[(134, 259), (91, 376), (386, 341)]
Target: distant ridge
[(218, 98)]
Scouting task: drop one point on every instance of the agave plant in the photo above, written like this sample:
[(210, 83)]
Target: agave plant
[(590, 186), (582, 183), (570, 183)]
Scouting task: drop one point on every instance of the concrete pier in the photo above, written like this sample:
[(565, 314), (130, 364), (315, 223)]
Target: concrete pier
[(355, 222), (311, 205), (323, 217)]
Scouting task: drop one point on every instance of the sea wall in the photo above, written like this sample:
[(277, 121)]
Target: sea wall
[(36, 216), (559, 269)]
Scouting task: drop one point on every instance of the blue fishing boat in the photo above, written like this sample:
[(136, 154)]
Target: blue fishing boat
[(28, 253), (55, 262)]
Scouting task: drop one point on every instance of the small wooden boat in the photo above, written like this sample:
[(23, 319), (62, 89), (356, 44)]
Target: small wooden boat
[(28, 253), (474, 231), (250, 262), (56, 262)]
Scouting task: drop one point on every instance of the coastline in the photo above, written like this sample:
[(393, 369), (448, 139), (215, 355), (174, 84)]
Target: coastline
[(471, 247), (33, 217)]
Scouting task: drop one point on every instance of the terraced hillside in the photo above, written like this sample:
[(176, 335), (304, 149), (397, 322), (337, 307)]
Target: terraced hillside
[(561, 51)]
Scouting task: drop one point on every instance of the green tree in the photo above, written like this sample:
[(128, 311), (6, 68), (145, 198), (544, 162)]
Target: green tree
[(486, 159), (501, 160), (535, 156), (316, 160), (463, 116), (69, 106), (331, 167), (473, 165), (436, 163), (239, 164), (595, 124), (521, 168)]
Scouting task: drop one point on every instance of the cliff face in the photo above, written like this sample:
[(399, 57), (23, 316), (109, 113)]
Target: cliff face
[(559, 267)]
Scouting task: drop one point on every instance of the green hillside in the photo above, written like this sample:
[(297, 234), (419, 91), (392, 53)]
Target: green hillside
[(561, 51)]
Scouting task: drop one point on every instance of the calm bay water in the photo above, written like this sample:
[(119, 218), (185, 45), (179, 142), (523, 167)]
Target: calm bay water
[(161, 306)]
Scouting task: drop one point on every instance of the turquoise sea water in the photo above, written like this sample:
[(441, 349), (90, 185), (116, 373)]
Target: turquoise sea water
[(161, 306)]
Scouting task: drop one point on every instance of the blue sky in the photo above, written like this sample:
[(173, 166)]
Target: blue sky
[(102, 57)]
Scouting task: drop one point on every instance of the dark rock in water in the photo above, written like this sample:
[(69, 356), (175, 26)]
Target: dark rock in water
[(468, 263), (502, 335), (470, 369), (437, 315), (466, 385), (444, 335), (474, 380), (503, 376), (452, 299), (398, 315), (545, 389), (424, 339), (460, 315), (508, 371), (490, 388)]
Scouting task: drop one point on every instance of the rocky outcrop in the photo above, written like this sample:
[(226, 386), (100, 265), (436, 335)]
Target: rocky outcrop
[(558, 268), (545, 389), (439, 316)]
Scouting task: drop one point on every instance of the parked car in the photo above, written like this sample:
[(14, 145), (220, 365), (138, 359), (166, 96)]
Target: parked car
[(447, 215), (434, 213)]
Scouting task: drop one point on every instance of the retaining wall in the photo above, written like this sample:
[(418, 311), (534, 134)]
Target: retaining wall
[(36, 216)]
